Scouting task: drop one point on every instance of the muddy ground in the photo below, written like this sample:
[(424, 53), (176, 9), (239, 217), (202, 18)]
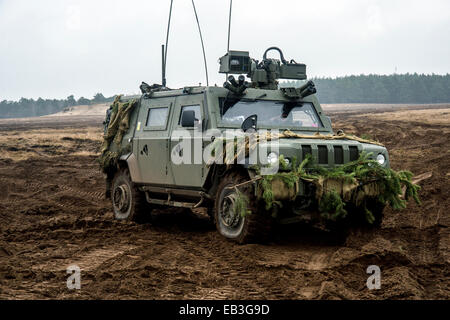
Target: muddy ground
[(53, 214)]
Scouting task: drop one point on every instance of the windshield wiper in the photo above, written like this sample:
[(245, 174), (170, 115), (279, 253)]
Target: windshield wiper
[(287, 108), (228, 103), (260, 97)]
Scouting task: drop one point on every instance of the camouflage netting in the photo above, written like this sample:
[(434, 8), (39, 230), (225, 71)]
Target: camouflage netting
[(241, 147), (118, 125), (339, 136), (352, 183)]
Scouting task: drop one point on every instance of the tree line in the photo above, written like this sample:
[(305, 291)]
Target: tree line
[(396, 88), (40, 107)]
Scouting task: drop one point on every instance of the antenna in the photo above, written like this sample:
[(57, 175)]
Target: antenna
[(164, 49), (163, 67), (229, 26), (203, 46), (229, 32)]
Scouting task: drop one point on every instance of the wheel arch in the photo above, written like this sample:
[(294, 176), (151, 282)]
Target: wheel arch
[(218, 171), (111, 172)]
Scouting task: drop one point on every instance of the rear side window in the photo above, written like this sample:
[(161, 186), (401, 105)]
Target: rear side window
[(195, 108), (157, 117)]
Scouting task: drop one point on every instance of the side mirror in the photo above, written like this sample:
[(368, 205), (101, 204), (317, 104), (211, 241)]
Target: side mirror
[(188, 119)]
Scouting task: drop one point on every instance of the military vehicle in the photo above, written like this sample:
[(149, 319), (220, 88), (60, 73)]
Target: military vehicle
[(139, 147)]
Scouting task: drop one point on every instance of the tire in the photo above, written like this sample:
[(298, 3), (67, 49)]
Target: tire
[(128, 202), (254, 227)]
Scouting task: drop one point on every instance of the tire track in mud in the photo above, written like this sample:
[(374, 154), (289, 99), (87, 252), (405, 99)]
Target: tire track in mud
[(39, 186), (238, 272), (88, 261), (95, 195), (62, 196)]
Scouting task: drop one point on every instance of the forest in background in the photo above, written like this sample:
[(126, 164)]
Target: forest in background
[(40, 107), (396, 88)]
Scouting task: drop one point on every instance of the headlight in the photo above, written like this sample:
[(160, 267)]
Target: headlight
[(287, 161), (272, 158), (381, 159)]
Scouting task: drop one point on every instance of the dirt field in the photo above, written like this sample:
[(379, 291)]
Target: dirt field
[(53, 214)]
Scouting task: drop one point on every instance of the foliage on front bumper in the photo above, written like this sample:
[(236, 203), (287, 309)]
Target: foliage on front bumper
[(354, 182)]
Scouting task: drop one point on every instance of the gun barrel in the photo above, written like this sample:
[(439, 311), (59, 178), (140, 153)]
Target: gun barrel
[(241, 80), (232, 80), (230, 87), (306, 85), (307, 89)]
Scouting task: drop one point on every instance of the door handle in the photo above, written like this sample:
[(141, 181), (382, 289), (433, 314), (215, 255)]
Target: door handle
[(144, 150)]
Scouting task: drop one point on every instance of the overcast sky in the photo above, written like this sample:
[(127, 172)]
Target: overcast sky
[(54, 48)]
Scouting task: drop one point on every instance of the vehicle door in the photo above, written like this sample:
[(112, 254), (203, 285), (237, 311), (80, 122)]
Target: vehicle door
[(191, 173), (152, 133)]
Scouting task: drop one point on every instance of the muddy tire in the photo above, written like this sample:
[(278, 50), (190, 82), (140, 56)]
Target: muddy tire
[(254, 227), (128, 202)]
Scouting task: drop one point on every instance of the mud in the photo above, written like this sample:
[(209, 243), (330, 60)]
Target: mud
[(53, 214)]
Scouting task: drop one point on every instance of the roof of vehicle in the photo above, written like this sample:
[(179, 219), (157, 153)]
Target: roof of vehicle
[(250, 93)]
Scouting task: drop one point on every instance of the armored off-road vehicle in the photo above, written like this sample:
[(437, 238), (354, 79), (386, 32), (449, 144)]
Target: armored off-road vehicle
[(142, 151)]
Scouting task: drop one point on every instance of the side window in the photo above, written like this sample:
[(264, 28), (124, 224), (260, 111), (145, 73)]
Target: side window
[(157, 118), (195, 108)]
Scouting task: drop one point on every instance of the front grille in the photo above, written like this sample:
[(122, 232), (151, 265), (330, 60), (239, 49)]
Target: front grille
[(338, 155), (354, 154), (323, 154), (306, 150)]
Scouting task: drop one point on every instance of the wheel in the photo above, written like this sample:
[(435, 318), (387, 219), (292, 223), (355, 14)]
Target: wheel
[(253, 227), (128, 202)]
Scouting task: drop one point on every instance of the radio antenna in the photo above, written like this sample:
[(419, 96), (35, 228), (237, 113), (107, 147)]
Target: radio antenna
[(164, 49), (229, 32), (203, 46), (229, 26)]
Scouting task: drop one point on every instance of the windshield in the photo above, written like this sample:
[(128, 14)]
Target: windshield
[(272, 114)]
